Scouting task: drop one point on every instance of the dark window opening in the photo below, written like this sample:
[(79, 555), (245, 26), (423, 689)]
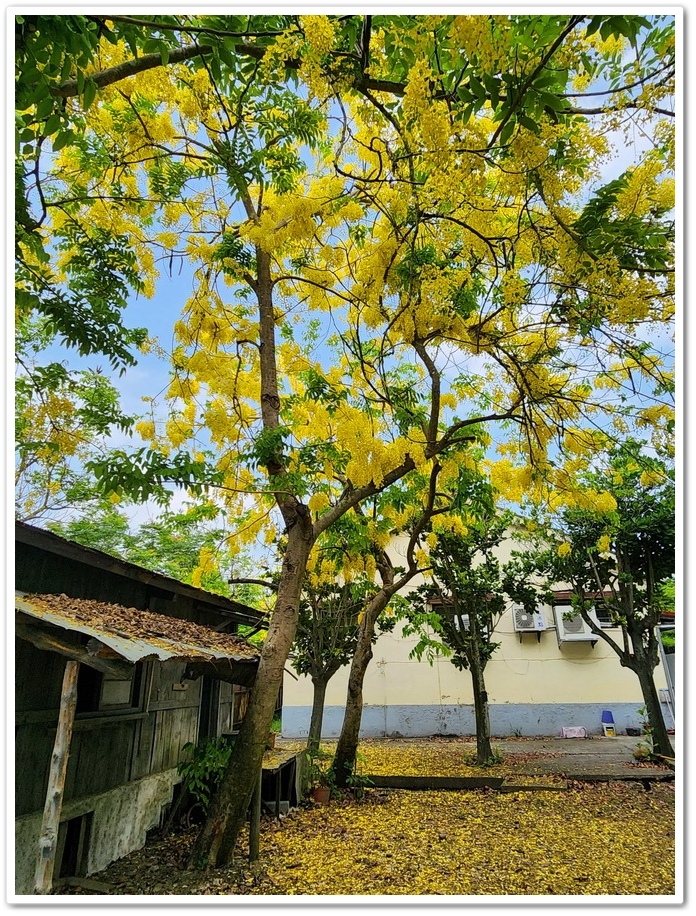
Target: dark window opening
[(100, 692), (73, 846)]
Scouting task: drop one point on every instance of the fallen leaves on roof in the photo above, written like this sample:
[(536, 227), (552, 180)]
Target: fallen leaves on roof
[(131, 623)]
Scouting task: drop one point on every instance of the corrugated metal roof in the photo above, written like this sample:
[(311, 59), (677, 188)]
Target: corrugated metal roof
[(136, 635)]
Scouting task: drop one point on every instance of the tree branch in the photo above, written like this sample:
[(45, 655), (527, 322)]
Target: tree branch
[(130, 68), (273, 586)]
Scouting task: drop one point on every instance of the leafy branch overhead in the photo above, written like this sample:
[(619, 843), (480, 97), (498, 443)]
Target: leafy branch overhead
[(399, 262)]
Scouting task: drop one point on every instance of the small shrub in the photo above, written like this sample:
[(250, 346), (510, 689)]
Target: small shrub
[(644, 749), (357, 781), (319, 772), (495, 758), (204, 770)]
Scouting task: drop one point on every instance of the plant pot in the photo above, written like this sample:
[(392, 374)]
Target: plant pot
[(634, 731), (321, 794), (270, 741)]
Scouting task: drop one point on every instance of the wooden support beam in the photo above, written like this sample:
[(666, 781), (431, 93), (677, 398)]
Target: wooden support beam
[(50, 823), (255, 822), (53, 639), (241, 673)]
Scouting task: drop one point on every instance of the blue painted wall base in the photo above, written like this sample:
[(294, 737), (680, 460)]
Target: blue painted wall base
[(507, 720)]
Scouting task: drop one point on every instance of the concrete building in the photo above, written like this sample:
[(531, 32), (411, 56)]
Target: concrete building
[(547, 674)]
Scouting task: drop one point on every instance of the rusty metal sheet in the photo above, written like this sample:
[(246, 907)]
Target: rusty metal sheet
[(125, 643)]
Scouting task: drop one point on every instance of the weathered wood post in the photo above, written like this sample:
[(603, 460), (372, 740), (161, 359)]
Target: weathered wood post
[(255, 822), (48, 837)]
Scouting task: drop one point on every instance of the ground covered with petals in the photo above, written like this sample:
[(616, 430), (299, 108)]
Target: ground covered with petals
[(611, 838)]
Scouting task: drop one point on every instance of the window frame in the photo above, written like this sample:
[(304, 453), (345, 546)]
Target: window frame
[(90, 704)]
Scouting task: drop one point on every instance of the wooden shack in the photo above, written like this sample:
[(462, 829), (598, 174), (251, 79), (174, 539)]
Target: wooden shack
[(142, 694)]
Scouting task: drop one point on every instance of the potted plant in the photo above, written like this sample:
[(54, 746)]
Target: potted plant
[(320, 777), (273, 733)]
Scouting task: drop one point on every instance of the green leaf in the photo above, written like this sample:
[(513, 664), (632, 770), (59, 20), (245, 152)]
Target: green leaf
[(552, 101), (89, 93), (44, 108), (61, 139), (527, 122), (506, 132), (477, 88), (53, 124)]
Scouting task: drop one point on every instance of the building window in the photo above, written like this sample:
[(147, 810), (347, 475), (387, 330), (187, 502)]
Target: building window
[(101, 692), (604, 617)]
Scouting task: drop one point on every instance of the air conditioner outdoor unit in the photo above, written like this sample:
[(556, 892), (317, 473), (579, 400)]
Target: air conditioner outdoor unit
[(465, 622), (525, 622), (573, 629)]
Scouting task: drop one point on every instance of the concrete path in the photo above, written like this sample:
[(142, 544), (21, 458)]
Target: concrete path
[(592, 759), (585, 759)]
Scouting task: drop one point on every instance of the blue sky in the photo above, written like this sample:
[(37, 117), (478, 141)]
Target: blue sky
[(150, 375)]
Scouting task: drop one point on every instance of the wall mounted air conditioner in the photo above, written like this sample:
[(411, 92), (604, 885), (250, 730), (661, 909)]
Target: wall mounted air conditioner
[(525, 622), (573, 629)]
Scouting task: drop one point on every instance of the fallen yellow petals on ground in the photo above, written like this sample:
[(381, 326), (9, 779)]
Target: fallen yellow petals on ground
[(606, 839)]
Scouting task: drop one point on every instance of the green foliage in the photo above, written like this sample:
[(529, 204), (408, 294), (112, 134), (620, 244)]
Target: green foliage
[(204, 769), (357, 781), (269, 447), (495, 759), (62, 418), (645, 749), (145, 474), (615, 559), (327, 630), (170, 544), (641, 533), (668, 640), (637, 242), (455, 614), (318, 771)]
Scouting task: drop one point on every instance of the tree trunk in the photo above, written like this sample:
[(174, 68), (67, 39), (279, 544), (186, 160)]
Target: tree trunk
[(483, 725), (347, 747), (314, 736), (660, 738), (216, 843)]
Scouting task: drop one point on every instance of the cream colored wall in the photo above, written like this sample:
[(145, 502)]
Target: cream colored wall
[(521, 671)]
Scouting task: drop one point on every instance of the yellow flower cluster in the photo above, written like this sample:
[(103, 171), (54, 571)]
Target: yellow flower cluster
[(206, 564), (511, 481), (449, 524), (651, 478), (146, 429), (513, 289), (288, 218), (318, 502), (645, 188), (604, 544), (320, 38), (481, 38), (178, 431)]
